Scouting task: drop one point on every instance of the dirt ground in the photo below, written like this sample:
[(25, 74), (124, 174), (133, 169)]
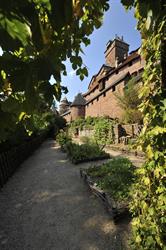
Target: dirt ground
[(137, 161), (46, 206)]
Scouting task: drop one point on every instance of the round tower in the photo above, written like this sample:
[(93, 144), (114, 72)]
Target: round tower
[(64, 106), (78, 107)]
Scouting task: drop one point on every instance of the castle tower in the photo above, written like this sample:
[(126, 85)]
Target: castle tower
[(116, 51), (64, 106), (78, 107)]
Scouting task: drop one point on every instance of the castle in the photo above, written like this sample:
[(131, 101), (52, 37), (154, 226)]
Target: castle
[(112, 77)]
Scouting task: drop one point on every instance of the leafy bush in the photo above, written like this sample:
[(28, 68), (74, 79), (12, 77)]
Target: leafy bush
[(102, 126), (86, 140), (115, 176), (85, 152), (63, 138), (103, 134)]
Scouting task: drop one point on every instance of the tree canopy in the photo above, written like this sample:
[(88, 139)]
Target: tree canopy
[(36, 38)]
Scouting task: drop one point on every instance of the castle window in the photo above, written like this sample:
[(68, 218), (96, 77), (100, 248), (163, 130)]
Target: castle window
[(104, 94), (101, 86), (130, 63), (97, 99), (140, 70), (113, 88), (134, 73), (117, 71)]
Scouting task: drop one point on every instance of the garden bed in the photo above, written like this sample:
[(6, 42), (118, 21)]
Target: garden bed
[(80, 153), (97, 158), (85, 152), (115, 196)]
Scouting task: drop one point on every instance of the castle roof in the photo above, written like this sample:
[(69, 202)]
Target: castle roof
[(64, 101), (78, 100), (133, 56)]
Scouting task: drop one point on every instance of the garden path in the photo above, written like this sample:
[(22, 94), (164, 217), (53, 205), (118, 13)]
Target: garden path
[(136, 160), (45, 206)]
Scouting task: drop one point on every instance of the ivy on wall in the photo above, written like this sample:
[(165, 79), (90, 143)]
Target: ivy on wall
[(149, 193)]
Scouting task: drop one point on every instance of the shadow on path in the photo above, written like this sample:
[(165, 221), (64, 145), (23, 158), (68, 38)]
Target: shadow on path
[(46, 206)]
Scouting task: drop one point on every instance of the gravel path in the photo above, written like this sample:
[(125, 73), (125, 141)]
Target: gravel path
[(137, 161), (46, 206)]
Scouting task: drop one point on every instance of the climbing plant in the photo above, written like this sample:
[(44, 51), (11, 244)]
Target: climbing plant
[(149, 193), (103, 131), (36, 38), (129, 102)]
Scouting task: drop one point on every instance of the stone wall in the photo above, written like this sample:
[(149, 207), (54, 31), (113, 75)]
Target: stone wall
[(122, 133), (67, 117), (86, 132), (106, 104), (77, 111)]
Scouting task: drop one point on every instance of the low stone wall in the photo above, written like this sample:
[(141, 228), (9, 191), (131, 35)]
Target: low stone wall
[(86, 132), (122, 133)]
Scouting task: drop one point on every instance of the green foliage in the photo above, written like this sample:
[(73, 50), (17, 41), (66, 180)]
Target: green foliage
[(46, 121), (102, 126), (115, 176), (85, 123), (63, 138), (103, 132), (86, 140), (148, 196), (36, 38), (129, 102), (77, 123), (85, 152)]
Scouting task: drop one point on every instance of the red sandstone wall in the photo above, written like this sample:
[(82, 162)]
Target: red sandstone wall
[(137, 65), (106, 104), (77, 112), (67, 117)]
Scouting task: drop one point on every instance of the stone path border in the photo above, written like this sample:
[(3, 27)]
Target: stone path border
[(117, 213)]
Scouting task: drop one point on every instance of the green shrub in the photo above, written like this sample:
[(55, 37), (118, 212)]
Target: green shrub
[(86, 140), (80, 153), (103, 134), (63, 138), (115, 177), (102, 126)]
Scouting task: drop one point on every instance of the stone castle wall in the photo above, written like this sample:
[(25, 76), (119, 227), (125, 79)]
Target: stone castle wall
[(101, 97)]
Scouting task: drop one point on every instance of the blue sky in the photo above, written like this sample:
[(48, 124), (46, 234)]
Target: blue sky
[(116, 21)]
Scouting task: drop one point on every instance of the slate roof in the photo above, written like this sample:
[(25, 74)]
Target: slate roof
[(64, 100), (78, 100), (66, 113)]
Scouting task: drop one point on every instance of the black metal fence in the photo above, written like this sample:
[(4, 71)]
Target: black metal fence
[(12, 158)]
